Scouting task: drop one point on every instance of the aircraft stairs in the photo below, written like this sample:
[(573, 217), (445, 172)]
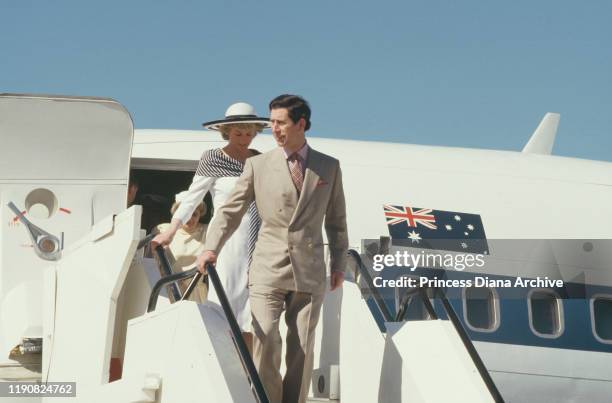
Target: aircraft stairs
[(407, 374), (431, 360), (190, 352)]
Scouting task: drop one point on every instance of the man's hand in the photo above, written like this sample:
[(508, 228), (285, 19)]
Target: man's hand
[(208, 256), (336, 280)]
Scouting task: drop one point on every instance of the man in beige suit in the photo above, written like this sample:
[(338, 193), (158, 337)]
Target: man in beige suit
[(297, 190)]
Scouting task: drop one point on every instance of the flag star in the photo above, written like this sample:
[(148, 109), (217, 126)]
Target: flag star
[(457, 218), (414, 236), (470, 227), (464, 245), (448, 227)]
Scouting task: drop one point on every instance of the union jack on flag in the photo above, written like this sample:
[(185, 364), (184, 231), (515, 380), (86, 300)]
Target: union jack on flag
[(436, 229), (412, 217)]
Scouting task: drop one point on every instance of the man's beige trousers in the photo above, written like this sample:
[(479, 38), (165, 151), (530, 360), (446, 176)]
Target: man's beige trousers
[(301, 315)]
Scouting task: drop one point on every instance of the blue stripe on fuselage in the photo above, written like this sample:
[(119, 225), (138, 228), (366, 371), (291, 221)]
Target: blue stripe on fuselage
[(514, 325)]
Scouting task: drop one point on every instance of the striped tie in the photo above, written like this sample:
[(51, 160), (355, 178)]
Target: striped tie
[(295, 167)]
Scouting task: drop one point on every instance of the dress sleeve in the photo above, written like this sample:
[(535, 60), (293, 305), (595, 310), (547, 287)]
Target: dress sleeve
[(195, 194)]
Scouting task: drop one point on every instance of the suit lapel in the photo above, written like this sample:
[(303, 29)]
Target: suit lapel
[(314, 163)]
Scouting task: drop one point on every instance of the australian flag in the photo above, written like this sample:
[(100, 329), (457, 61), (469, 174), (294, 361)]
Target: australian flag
[(436, 229)]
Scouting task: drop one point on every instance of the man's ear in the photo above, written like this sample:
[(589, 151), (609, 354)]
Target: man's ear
[(302, 123)]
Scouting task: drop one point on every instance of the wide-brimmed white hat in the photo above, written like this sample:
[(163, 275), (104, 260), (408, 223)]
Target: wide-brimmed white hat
[(240, 112)]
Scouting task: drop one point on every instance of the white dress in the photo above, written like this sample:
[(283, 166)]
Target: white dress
[(217, 173)]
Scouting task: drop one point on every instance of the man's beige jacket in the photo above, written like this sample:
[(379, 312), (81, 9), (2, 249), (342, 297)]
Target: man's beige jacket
[(289, 249)]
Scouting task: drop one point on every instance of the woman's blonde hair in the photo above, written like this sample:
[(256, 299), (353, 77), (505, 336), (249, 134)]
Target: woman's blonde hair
[(254, 127), (201, 208)]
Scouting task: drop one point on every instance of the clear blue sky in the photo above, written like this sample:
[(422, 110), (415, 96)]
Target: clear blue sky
[(458, 73)]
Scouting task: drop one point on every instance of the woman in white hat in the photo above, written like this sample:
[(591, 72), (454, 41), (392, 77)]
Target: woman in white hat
[(217, 172)]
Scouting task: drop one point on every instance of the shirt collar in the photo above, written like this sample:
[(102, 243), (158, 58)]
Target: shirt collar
[(303, 152)]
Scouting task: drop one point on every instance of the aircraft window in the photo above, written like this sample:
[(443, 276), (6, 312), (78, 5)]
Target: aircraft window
[(481, 308), (602, 318), (545, 313)]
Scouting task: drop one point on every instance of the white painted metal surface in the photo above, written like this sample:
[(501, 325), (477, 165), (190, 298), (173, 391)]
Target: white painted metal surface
[(77, 151), (189, 348), (407, 363), (549, 373), (88, 281), (543, 139)]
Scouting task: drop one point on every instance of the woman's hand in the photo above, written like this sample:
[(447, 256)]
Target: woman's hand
[(164, 239)]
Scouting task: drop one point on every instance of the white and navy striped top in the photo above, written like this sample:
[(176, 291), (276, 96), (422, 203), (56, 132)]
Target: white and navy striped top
[(213, 167)]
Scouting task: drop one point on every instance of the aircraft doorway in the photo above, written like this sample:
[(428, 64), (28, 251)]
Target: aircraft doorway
[(156, 191)]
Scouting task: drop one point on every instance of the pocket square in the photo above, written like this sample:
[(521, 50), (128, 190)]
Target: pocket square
[(321, 182)]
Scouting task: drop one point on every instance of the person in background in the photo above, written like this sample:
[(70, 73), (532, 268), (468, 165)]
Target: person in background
[(187, 245), (133, 187), (217, 173)]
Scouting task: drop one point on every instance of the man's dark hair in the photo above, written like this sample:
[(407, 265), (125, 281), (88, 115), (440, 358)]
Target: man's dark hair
[(296, 106)]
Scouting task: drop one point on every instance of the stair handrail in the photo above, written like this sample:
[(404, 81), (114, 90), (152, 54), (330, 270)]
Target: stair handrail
[(450, 313), (365, 274), (236, 334), (467, 342)]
